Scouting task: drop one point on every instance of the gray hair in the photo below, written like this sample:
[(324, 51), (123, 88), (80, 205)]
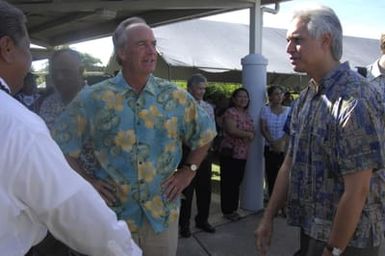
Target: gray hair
[(119, 37), (196, 79), (12, 22), (322, 20)]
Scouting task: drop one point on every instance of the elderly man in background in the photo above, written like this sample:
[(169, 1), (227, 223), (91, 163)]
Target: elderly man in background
[(66, 74), (201, 183), (332, 176), (38, 189), (137, 123)]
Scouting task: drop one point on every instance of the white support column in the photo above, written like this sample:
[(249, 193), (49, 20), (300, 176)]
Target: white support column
[(254, 80)]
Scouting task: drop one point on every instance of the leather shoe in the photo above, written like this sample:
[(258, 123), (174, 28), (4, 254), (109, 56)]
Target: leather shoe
[(205, 227), (185, 232)]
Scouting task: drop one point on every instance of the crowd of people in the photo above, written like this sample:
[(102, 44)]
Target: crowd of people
[(129, 152)]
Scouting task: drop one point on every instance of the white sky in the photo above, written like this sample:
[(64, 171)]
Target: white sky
[(360, 18)]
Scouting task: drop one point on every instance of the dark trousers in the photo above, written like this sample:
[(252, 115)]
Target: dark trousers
[(273, 162), (312, 247), (52, 247), (232, 171), (202, 186)]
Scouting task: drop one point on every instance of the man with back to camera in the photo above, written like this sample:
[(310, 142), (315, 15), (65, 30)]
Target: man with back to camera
[(137, 124), (201, 183), (331, 177), (34, 197)]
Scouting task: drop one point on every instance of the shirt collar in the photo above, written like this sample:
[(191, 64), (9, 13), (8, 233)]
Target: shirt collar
[(329, 79), (5, 85), (123, 85), (374, 70)]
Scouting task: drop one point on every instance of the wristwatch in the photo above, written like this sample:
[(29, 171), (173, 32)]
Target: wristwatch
[(334, 250), (192, 167)]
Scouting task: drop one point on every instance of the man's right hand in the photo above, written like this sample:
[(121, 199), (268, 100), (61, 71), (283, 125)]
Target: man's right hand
[(263, 235)]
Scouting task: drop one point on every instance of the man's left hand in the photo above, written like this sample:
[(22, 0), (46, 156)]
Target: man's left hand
[(177, 182)]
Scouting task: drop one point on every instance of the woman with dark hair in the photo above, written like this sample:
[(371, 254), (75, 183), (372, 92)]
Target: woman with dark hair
[(272, 121), (239, 131)]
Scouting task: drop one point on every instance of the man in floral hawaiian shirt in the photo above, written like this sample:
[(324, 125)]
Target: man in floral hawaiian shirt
[(137, 124), (331, 177)]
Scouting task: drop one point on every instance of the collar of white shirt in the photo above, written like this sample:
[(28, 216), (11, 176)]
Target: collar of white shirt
[(4, 86)]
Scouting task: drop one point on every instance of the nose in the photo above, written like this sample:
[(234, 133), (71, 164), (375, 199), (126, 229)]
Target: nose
[(151, 48), (290, 47)]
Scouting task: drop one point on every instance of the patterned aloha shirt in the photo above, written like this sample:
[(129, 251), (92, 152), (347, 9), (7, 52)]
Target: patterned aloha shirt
[(336, 130), (137, 141)]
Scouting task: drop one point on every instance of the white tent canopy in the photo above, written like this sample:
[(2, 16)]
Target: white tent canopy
[(219, 46)]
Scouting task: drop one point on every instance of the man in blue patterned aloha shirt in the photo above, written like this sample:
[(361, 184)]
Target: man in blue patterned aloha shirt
[(331, 177), (137, 124)]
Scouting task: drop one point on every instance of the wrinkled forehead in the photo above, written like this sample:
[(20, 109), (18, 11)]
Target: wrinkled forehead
[(139, 30), (297, 27)]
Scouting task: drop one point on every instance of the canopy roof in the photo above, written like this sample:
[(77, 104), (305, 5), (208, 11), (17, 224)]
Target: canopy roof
[(57, 22), (220, 46)]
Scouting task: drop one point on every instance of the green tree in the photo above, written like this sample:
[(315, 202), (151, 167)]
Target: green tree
[(91, 63)]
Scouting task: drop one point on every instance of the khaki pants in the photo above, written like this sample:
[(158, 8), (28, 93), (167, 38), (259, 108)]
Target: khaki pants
[(162, 244)]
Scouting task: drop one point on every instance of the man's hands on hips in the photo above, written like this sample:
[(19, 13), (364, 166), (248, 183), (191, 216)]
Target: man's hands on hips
[(177, 182)]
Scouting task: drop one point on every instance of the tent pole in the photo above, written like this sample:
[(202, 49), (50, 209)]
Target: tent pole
[(254, 80)]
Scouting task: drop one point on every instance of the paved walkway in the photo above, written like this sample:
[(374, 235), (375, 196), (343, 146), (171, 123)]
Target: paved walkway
[(237, 238)]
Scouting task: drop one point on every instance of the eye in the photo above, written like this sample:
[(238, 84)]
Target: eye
[(140, 43)]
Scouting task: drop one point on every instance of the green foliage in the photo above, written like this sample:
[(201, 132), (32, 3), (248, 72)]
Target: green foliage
[(216, 92), (91, 63)]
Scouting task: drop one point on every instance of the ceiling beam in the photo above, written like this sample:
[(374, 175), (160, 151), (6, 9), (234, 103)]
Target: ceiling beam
[(144, 5)]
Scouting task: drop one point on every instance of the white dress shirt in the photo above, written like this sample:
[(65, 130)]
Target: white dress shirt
[(39, 190), (374, 74)]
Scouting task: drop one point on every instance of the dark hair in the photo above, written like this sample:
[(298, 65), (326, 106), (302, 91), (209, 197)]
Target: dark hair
[(382, 43), (235, 93), (60, 52), (196, 79), (119, 37), (272, 88), (12, 22)]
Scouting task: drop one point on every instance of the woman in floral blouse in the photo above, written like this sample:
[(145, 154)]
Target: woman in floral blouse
[(239, 131)]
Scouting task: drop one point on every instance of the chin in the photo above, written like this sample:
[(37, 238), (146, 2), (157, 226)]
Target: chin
[(298, 69)]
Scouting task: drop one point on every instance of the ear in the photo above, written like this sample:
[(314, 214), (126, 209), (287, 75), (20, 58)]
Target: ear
[(81, 70), (120, 53), (326, 41), (7, 47)]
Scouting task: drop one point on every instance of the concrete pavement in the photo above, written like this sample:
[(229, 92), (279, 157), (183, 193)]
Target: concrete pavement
[(237, 238)]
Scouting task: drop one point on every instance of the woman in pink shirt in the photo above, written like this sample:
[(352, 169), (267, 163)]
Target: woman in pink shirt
[(239, 131)]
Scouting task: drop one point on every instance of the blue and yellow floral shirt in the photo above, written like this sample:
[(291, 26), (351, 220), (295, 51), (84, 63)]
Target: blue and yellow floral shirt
[(337, 128), (137, 140)]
